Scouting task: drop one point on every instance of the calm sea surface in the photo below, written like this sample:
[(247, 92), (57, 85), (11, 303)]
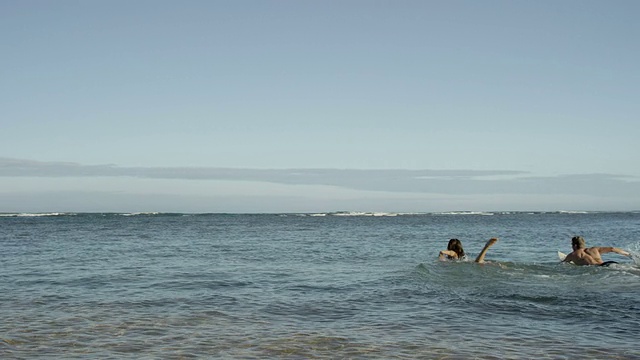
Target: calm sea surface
[(305, 286)]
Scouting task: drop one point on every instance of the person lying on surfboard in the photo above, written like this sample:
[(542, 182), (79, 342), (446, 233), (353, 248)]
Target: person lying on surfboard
[(582, 255), (456, 252)]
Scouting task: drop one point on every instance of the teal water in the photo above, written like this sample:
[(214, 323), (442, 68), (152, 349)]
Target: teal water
[(303, 286)]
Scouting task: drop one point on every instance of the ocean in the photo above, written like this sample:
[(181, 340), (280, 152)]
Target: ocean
[(315, 286)]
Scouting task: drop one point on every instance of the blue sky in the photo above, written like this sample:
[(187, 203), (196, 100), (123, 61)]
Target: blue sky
[(304, 106)]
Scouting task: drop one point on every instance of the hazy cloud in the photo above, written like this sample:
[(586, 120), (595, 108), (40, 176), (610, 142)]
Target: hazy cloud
[(392, 180)]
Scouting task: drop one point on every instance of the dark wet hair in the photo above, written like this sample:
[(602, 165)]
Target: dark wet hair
[(456, 246), (578, 241)]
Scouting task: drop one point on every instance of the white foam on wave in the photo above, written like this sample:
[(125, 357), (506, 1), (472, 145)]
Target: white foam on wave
[(465, 213), (352, 213), (635, 256), (360, 213), (140, 213), (35, 214)]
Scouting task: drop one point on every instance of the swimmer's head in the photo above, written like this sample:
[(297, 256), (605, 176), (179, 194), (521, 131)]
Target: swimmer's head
[(456, 246), (577, 242)]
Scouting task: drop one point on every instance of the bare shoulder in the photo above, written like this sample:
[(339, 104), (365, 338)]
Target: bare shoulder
[(571, 256), (595, 250)]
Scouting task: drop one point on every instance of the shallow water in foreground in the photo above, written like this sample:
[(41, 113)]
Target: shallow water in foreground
[(325, 286)]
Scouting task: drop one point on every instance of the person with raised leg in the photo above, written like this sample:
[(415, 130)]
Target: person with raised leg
[(456, 252)]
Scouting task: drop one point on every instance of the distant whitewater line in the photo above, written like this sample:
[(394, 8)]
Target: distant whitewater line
[(480, 213), (74, 214), (35, 214), (316, 214)]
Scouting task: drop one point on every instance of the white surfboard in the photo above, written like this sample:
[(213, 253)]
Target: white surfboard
[(561, 255)]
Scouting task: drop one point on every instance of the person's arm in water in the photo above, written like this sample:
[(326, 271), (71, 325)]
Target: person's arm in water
[(480, 258), (444, 253)]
